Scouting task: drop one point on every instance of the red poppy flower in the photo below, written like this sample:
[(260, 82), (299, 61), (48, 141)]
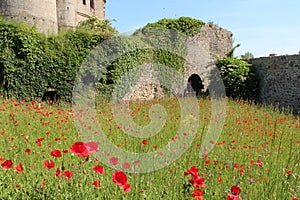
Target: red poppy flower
[(96, 184), (92, 147), (56, 153), (119, 178), (79, 149), (58, 173), (288, 172), (28, 151), (259, 163), (48, 164), (19, 168), (235, 190), (99, 169), (84, 149), (114, 161), (68, 174), (233, 197), (144, 142), (197, 181), (65, 151), (7, 164), (126, 165), (39, 140), (126, 187), (193, 171), (198, 194)]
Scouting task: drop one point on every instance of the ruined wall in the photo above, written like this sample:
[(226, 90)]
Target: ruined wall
[(212, 39), (215, 39), (52, 16), (199, 61), (279, 78)]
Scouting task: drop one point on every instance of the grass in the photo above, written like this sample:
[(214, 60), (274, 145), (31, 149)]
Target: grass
[(258, 151)]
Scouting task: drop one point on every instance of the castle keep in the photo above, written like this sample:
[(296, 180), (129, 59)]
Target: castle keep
[(52, 16)]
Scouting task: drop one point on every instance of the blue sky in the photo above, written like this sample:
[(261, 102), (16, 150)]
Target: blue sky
[(260, 26)]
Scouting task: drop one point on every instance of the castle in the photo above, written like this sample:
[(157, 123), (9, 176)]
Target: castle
[(52, 16)]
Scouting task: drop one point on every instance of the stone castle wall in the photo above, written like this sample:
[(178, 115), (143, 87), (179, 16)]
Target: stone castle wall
[(211, 39), (33, 12), (52, 16), (279, 80)]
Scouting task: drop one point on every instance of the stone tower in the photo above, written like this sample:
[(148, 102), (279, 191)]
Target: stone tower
[(71, 12), (52, 16)]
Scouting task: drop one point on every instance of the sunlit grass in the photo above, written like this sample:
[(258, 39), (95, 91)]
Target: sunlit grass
[(258, 151)]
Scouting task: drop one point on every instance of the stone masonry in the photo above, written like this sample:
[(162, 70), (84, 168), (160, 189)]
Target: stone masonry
[(279, 80), (211, 39), (52, 16)]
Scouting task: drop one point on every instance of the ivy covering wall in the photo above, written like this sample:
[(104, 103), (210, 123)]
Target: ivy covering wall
[(31, 62)]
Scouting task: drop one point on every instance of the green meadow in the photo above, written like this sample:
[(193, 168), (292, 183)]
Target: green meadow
[(258, 151)]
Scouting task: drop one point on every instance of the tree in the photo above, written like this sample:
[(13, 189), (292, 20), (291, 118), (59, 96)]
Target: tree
[(247, 56)]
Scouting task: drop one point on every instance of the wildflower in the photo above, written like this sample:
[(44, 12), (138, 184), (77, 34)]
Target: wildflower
[(198, 194), (99, 169), (7, 164), (68, 174), (96, 184), (28, 151), (55, 153), (48, 164), (259, 163), (193, 170), (288, 172), (58, 173), (197, 181), (79, 149), (114, 161), (84, 149), (126, 165), (144, 142), (234, 193), (120, 179), (19, 168)]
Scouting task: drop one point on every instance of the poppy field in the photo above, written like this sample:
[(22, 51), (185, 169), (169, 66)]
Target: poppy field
[(43, 156)]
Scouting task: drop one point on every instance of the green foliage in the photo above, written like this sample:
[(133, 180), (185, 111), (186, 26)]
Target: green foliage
[(169, 34), (30, 62), (95, 25), (247, 56), (238, 77), (185, 25)]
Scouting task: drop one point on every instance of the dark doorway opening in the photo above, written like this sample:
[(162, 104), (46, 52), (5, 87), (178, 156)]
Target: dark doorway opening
[(50, 95), (195, 85)]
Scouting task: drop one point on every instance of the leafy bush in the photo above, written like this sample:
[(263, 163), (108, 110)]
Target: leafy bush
[(238, 77), (185, 25), (31, 62)]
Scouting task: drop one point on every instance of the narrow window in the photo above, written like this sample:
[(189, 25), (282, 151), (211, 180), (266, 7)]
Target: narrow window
[(92, 4), (84, 2)]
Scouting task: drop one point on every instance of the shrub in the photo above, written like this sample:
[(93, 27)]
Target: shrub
[(31, 62), (238, 77)]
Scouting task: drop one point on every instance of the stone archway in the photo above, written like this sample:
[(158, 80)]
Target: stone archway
[(195, 85)]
